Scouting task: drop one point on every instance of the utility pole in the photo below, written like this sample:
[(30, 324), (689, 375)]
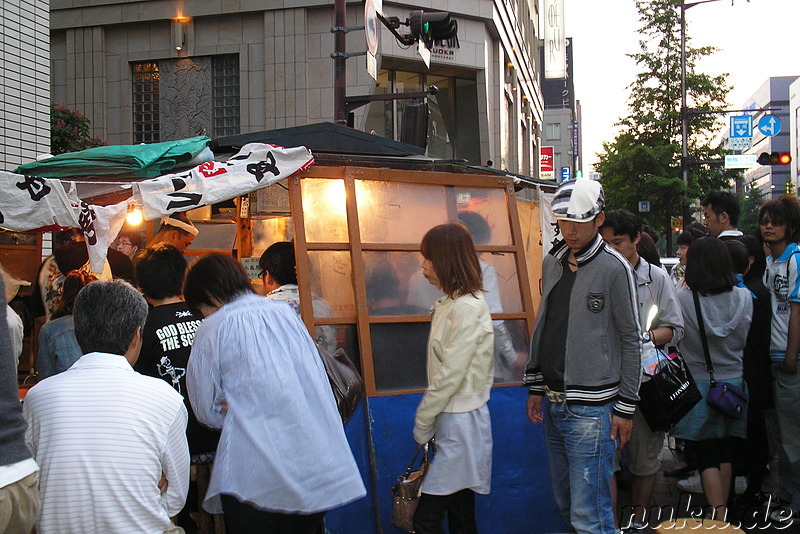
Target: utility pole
[(339, 61), (685, 112)]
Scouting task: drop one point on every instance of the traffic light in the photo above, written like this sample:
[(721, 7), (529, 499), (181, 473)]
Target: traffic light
[(774, 158), (430, 27)]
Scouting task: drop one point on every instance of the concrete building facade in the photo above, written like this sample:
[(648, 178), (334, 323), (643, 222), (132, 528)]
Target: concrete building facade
[(772, 96), (156, 70)]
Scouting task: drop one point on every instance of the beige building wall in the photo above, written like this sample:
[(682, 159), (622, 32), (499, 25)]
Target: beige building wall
[(286, 70)]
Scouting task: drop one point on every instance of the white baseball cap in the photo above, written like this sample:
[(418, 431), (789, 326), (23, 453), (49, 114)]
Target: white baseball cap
[(578, 200)]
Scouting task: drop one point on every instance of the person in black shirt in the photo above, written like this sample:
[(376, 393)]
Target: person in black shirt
[(167, 342)]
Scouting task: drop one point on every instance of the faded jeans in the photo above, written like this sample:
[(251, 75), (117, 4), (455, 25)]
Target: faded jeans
[(786, 389), (581, 458)]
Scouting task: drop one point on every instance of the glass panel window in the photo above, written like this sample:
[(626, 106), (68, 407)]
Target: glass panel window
[(146, 120), (395, 285), (213, 236), (405, 82), (467, 126), (485, 212), (450, 134), (225, 100), (379, 118), (324, 210), (269, 231), (510, 351), (501, 282), (347, 339), (398, 355), (331, 284), (553, 131), (397, 212)]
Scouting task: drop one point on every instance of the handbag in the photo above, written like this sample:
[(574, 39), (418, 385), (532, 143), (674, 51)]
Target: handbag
[(669, 395), (728, 399), (346, 382), (407, 489)]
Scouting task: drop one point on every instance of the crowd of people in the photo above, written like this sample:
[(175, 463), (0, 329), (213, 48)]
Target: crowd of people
[(144, 383), (623, 313)]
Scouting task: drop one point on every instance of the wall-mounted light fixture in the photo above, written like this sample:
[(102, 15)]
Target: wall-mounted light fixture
[(178, 35)]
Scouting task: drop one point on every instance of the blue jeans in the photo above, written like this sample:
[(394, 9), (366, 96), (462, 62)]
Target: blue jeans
[(581, 458)]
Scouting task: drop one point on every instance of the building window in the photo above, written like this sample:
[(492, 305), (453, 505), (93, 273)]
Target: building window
[(145, 103), (221, 80), (453, 126), (225, 85), (553, 131)]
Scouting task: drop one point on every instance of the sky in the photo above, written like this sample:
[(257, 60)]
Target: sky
[(758, 39)]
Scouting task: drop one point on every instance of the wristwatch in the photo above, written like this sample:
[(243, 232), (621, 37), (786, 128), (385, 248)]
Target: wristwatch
[(646, 337)]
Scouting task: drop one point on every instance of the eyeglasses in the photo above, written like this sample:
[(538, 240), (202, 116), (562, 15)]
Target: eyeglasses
[(124, 244), (770, 222)]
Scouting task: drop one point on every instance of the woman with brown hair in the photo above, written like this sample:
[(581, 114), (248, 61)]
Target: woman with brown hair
[(460, 376), (58, 348), (726, 312)]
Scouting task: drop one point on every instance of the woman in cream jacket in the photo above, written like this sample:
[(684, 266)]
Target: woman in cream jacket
[(460, 376)]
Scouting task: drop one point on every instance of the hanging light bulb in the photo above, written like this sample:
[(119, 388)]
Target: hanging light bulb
[(134, 216)]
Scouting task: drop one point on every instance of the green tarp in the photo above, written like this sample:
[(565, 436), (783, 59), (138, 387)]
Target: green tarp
[(139, 161)]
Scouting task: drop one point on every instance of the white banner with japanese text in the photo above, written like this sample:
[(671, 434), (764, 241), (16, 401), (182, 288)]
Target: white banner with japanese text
[(29, 202), (257, 165)]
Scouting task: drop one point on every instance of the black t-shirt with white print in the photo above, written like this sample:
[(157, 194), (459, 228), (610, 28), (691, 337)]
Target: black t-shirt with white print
[(166, 344)]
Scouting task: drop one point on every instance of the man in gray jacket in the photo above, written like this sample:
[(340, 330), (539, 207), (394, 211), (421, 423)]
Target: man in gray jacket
[(585, 358)]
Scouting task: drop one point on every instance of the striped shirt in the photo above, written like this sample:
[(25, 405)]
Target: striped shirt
[(103, 435)]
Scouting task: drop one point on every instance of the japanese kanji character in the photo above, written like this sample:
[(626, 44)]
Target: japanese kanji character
[(262, 167), (36, 186)]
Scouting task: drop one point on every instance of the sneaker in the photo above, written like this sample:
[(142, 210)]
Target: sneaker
[(691, 484), (784, 514), (740, 485)]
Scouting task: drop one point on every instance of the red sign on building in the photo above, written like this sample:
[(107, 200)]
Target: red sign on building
[(546, 163)]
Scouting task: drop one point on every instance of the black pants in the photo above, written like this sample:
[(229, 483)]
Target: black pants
[(241, 518), (460, 510)]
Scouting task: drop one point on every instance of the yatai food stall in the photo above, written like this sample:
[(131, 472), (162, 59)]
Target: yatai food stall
[(356, 212)]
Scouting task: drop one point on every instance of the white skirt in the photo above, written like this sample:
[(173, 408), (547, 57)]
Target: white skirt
[(463, 457)]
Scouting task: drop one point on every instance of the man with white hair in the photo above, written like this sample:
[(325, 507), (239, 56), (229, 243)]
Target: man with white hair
[(110, 442), (585, 358)]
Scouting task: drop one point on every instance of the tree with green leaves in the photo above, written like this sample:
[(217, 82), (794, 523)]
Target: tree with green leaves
[(69, 131), (750, 199), (643, 162)]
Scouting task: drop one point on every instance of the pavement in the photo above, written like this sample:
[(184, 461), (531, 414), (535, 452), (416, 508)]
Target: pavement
[(673, 503)]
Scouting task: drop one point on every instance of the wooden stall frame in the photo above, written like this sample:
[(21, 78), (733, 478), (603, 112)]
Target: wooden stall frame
[(349, 174)]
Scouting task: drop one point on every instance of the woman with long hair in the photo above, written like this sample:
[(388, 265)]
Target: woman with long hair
[(726, 312), (460, 375), (58, 348)]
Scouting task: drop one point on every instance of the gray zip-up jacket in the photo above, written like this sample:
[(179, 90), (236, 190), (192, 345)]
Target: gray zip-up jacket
[(603, 350)]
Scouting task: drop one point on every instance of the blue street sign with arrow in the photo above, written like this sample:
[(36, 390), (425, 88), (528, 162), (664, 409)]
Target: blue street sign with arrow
[(741, 126), (769, 125)]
